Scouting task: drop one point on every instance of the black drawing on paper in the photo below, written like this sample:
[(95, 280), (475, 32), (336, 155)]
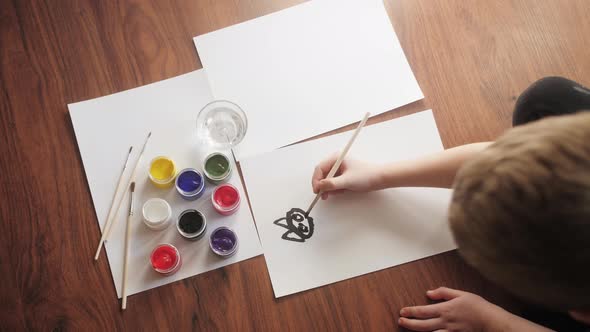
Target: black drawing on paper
[(298, 224)]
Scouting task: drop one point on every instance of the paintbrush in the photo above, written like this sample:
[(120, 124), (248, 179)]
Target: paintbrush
[(127, 240), (336, 165), (131, 179), (109, 226), (230, 146), (117, 189)]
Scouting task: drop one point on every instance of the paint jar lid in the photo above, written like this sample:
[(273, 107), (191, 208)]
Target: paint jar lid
[(190, 182), (217, 166), (156, 213), (162, 170), (225, 197), (165, 258), (221, 124), (191, 224), (223, 241)]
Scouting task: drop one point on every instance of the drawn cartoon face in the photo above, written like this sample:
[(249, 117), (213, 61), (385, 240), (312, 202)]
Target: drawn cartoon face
[(299, 225), (298, 219)]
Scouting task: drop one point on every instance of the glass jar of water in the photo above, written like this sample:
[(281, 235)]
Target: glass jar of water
[(221, 124)]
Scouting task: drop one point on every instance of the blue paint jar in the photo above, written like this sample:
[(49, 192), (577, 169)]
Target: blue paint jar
[(190, 184)]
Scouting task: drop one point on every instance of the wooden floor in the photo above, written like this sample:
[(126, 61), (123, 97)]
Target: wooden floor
[(471, 59)]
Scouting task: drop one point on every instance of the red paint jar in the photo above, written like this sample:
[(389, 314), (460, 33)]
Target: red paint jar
[(226, 199), (166, 259)]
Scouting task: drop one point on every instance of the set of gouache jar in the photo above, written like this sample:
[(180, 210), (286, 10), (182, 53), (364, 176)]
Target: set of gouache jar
[(166, 259), (191, 224), (190, 182)]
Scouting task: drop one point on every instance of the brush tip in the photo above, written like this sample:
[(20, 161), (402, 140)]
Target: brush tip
[(130, 148), (132, 187), (149, 134)]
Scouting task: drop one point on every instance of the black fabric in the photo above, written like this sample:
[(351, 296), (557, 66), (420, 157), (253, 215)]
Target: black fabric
[(550, 96), (554, 320)]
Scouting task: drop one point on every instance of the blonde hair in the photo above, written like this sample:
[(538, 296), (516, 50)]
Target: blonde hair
[(520, 211)]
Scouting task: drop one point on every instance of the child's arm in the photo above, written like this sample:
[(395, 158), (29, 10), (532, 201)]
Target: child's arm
[(436, 170)]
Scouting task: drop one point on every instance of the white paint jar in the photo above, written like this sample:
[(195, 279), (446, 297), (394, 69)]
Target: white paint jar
[(157, 214)]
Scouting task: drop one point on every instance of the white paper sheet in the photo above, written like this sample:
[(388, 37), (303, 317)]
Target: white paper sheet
[(308, 69), (355, 233), (106, 127)]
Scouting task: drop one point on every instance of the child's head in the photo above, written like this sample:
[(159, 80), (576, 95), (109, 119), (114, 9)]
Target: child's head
[(520, 212)]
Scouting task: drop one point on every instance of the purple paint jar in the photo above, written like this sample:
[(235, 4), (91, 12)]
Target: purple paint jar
[(190, 184), (223, 242)]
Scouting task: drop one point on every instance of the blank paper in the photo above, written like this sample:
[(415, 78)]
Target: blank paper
[(308, 69)]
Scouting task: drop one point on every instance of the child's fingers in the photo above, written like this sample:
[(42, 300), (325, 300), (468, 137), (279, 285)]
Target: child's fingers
[(444, 293), (325, 195), (326, 164), (321, 170), (421, 324), (333, 184), (315, 179), (425, 311)]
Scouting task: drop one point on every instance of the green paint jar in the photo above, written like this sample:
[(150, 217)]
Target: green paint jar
[(217, 168)]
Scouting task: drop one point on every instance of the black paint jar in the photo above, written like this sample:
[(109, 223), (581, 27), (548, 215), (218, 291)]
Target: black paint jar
[(191, 224)]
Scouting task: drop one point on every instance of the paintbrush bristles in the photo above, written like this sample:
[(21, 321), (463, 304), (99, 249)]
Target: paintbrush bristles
[(132, 187)]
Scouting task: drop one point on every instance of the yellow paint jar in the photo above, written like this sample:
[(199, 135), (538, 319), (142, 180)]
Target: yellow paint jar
[(162, 172)]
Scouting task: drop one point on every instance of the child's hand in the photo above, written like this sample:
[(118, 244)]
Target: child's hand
[(353, 175), (462, 311)]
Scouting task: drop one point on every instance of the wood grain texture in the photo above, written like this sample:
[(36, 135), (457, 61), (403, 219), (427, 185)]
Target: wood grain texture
[(471, 59)]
